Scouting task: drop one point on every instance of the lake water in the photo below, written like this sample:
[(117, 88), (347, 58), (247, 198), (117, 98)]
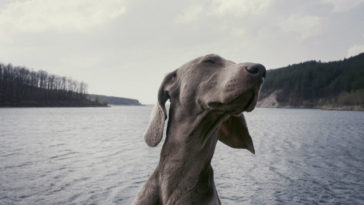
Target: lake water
[(98, 156)]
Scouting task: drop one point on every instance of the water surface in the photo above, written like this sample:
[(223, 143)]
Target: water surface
[(98, 156)]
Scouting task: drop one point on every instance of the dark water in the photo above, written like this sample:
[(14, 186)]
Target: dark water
[(97, 156)]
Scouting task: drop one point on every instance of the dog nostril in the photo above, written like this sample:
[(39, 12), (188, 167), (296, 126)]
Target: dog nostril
[(252, 69), (256, 68)]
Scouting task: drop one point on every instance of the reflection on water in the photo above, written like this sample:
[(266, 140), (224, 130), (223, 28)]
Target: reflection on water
[(98, 156)]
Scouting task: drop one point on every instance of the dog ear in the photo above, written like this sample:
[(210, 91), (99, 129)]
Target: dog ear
[(154, 132), (234, 133)]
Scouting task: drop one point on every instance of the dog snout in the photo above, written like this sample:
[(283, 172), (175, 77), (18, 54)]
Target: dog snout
[(255, 69)]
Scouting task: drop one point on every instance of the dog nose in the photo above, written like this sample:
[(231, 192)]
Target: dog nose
[(256, 69)]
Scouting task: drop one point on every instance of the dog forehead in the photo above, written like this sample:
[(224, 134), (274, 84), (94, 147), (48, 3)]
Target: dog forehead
[(203, 65)]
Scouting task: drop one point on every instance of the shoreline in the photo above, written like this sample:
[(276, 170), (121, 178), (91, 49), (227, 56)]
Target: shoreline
[(55, 106), (64, 104), (68, 106), (326, 107)]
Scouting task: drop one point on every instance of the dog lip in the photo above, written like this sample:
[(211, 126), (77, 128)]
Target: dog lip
[(247, 106), (214, 104), (241, 103), (251, 104)]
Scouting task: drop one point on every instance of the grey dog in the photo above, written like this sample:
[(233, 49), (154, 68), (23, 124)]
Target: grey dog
[(207, 97)]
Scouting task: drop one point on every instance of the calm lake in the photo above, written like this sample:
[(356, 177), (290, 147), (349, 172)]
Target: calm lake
[(98, 156)]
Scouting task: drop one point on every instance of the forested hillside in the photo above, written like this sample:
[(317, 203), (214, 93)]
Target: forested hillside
[(312, 84), (21, 87), (112, 100)]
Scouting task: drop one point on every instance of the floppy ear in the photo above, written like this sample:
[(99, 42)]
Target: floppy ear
[(234, 133), (154, 133)]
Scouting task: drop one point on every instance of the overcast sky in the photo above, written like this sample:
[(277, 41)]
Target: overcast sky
[(125, 47)]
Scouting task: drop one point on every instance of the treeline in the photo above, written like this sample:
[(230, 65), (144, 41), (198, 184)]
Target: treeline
[(20, 86), (112, 100), (316, 84)]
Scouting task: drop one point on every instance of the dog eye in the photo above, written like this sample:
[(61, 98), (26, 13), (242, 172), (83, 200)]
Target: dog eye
[(209, 61), (173, 76)]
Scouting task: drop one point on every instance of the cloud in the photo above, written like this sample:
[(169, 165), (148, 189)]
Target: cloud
[(304, 26), (190, 14), (240, 18), (342, 5), (222, 8), (239, 7), (65, 15), (355, 50)]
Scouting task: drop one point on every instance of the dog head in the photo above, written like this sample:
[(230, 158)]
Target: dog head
[(210, 84)]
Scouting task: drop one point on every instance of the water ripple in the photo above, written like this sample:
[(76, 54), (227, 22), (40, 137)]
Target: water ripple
[(98, 156)]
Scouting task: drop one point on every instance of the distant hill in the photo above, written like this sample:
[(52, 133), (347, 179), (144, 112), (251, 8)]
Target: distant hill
[(113, 100), (312, 84), (21, 87)]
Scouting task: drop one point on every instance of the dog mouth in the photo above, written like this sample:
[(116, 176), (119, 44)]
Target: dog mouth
[(244, 102)]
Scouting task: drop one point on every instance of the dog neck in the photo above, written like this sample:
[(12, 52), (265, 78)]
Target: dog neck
[(187, 152)]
